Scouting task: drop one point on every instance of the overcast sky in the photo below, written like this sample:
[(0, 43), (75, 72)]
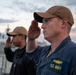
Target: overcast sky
[(20, 12)]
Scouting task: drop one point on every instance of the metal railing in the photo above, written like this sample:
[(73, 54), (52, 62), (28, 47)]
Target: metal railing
[(4, 65)]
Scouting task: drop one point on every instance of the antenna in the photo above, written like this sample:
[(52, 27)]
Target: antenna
[(7, 29)]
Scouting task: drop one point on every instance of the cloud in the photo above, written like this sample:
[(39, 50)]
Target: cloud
[(7, 20), (20, 6), (71, 2), (27, 6), (40, 5), (36, 5), (73, 30)]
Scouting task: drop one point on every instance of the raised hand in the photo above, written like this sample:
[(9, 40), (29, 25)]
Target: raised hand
[(34, 30), (8, 42)]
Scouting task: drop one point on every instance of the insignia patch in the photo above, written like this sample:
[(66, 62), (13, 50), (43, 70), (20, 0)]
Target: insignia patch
[(58, 61), (59, 66)]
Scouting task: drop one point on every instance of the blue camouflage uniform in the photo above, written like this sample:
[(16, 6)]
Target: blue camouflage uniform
[(61, 62)]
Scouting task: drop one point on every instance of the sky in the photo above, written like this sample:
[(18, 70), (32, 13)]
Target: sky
[(15, 13)]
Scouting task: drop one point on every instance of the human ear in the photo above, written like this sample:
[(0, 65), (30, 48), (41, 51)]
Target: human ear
[(64, 22)]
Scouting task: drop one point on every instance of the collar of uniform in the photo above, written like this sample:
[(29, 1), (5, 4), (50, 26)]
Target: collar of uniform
[(63, 43), (21, 51)]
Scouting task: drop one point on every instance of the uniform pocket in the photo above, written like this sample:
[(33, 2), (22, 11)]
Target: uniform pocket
[(58, 67)]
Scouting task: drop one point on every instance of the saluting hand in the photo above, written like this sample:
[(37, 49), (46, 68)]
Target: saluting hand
[(8, 42), (34, 30)]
